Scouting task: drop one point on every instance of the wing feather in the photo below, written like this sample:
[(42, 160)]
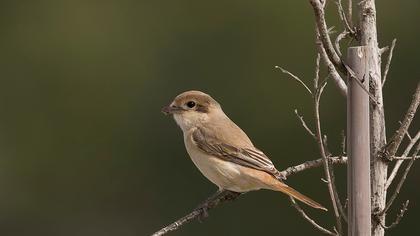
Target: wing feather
[(249, 157)]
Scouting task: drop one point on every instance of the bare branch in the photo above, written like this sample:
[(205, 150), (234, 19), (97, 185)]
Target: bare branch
[(295, 78), (405, 158), (353, 76), (305, 126), (399, 216), (313, 164), (323, 85), (407, 150), (318, 7), (344, 18), (332, 71), (383, 50), (350, 12), (337, 197), (226, 196), (402, 180), (392, 147), (340, 37), (309, 219), (318, 134), (408, 134), (343, 143), (201, 211), (388, 61), (318, 58)]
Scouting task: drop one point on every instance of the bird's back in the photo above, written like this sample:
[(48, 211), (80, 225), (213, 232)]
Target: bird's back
[(235, 136)]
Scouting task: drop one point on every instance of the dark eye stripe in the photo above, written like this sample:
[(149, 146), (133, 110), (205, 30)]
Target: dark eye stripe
[(201, 108)]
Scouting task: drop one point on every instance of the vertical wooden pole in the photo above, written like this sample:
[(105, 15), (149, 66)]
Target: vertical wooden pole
[(358, 169)]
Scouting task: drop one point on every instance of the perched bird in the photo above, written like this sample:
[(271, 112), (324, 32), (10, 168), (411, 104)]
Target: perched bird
[(222, 151)]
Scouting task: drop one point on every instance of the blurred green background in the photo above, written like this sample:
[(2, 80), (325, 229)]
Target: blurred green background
[(85, 150)]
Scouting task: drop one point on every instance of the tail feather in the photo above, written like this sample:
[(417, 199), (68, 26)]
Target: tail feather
[(282, 187)]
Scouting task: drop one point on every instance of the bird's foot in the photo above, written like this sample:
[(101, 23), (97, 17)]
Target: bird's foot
[(281, 176)]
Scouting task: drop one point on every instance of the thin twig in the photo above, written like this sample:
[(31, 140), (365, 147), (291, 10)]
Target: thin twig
[(400, 215), (305, 126), (337, 197), (408, 135), (353, 76), (331, 170), (343, 143), (388, 61), (402, 180), (332, 71), (199, 212), (391, 148), (226, 196), (340, 37), (350, 12), (383, 50), (295, 78), (401, 159), (405, 158), (327, 150), (318, 7), (313, 164), (344, 18), (318, 59), (317, 97), (309, 219)]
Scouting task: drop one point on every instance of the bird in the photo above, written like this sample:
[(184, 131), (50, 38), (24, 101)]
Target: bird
[(222, 151)]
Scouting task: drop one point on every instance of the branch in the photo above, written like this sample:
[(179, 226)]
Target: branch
[(313, 164), (345, 19), (350, 12), (407, 150), (405, 158), (340, 37), (343, 143), (332, 71), (400, 215), (337, 198), (388, 61), (305, 126), (402, 180), (201, 211), (392, 147), (295, 78), (383, 50), (226, 196), (318, 134), (323, 35), (309, 219), (353, 76)]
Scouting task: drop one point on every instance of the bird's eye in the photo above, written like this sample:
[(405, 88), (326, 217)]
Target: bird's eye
[(190, 104)]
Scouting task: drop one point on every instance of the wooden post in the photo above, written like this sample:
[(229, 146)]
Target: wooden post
[(358, 169)]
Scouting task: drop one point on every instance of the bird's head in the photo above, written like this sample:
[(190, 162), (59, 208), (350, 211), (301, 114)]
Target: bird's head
[(192, 108)]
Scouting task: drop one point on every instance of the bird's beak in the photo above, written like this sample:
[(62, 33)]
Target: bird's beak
[(168, 110)]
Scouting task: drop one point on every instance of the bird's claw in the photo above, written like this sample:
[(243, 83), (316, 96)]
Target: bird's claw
[(204, 213), (281, 176)]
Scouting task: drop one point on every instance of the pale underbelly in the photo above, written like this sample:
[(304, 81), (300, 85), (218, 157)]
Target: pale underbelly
[(226, 175)]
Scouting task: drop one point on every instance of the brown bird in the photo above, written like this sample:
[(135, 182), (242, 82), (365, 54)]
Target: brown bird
[(222, 151)]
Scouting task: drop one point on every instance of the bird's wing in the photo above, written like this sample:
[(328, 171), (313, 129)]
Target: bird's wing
[(246, 156)]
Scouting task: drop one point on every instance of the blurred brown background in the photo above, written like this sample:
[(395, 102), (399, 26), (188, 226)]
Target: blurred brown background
[(84, 149)]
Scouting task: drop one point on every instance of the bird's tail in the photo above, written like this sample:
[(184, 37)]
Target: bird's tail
[(282, 187)]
